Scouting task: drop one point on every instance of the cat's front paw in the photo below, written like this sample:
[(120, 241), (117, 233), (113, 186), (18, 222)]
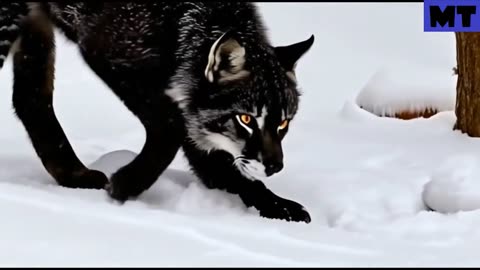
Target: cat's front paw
[(121, 187), (286, 210), (89, 179)]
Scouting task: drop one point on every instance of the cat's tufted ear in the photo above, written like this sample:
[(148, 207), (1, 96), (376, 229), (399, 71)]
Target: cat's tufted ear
[(226, 60), (288, 56)]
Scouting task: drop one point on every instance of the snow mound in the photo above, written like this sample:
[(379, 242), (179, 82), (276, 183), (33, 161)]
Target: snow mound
[(389, 93), (455, 186), (352, 112), (176, 190), (111, 162)]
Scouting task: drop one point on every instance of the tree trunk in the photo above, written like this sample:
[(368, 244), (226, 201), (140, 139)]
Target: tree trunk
[(467, 107)]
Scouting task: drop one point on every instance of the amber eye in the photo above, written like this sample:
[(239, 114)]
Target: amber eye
[(246, 118), (283, 125)]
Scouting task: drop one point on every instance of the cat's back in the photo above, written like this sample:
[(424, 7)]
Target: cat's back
[(139, 32), (123, 31)]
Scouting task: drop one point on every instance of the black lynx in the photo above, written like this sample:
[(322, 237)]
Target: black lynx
[(202, 77)]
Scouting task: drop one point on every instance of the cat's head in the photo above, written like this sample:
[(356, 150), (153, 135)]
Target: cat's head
[(248, 99)]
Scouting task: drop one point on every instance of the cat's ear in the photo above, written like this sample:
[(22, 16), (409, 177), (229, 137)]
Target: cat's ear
[(288, 56), (226, 60)]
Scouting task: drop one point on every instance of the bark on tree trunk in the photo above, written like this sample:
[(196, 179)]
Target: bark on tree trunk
[(467, 107)]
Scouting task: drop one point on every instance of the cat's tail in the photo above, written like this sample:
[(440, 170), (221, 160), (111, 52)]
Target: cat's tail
[(11, 15)]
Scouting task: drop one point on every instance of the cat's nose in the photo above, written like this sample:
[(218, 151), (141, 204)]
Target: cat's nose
[(273, 167)]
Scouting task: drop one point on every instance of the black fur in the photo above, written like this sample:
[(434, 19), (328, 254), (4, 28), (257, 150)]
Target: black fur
[(155, 57), (10, 15)]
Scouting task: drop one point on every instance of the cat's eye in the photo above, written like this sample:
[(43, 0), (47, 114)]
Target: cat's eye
[(283, 125), (245, 118)]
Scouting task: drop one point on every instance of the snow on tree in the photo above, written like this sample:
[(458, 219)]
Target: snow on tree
[(406, 94)]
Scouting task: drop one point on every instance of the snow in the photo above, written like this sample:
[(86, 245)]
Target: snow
[(368, 182), (455, 186), (387, 93)]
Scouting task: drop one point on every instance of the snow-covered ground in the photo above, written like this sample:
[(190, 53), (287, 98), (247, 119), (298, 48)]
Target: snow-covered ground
[(368, 182)]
